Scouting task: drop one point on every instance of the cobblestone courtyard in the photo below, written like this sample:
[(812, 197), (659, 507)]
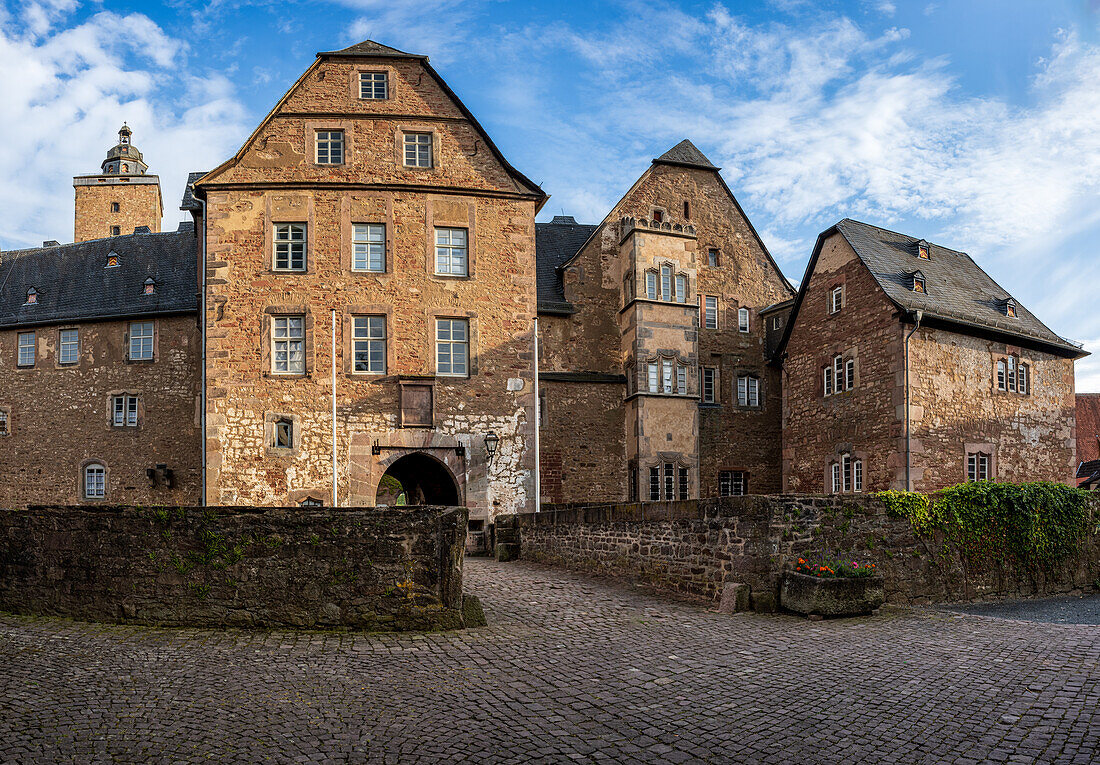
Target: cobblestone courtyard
[(570, 669)]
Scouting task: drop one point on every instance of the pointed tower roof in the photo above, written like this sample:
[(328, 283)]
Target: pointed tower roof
[(685, 154), (370, 48)]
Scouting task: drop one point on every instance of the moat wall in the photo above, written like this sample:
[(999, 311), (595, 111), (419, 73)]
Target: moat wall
[(361, 568), (694, 548)]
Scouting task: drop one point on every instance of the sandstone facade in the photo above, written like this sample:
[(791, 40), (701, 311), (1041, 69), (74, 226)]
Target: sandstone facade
[(119, 199)]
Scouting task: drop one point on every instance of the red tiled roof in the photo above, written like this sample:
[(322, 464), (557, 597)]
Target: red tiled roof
[(1088, 426)]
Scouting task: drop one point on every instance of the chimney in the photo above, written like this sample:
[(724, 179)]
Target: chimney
[(141, 230), (51, 243)]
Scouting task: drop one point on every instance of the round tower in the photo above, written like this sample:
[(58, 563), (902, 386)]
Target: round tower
[(121, 197)]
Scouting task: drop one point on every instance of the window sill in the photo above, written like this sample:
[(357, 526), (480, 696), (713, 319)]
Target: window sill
[(288, 271), (140, 361), (709, 405), (287, 375), (456, 277)]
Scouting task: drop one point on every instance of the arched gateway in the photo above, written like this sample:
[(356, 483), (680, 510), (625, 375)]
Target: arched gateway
[(421, 478)]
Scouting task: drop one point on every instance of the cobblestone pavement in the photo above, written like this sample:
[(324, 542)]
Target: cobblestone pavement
[(1065, 609), (570, 669)]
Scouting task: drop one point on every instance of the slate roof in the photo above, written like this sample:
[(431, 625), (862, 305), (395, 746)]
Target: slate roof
[(555, 243), (370, 48), (189, 201), (958, 290), (73, 284), (685, 154), (1088, 427)]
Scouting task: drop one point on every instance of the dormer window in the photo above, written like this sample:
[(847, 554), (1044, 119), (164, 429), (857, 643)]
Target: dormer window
[(112, 260), (923, 251), (918, 283), (150, 286), (32, 296), (1010, 308)]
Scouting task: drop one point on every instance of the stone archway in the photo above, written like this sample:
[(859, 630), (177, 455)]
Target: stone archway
[(421, 479)]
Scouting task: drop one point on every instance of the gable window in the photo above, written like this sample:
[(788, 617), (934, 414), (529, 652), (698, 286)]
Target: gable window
[(685, 485), (748, 391), (687, 210), (681, 288), (288, 355), (368, 247), (150, 286), (290, 247), (732, 483), (5, 427), (282, 434), (654, 484), (115, 231), (114, 206), (743, 319), (712, 257), (710, 312), (977, 467), (836, 300), (450, 251), (658, 215), (95, 481), (330, 147), (922, 250), (418, 149), (1022, 378), (710, 375), (670, 480), (69, 347), (374, 85), (1010, 309), (369, 344), (141, 341), (1012, 373), (666, 283), (124, 411), (32, 296), (26, 350), (452, 345), (918, 283), (651, 285)]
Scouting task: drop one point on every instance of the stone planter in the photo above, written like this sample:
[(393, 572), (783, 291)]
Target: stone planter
[(834, 596)]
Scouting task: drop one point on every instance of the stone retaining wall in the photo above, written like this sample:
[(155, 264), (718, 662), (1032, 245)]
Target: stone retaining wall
[(364, 568), (694, 548)]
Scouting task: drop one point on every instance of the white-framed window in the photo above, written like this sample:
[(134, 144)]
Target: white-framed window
[(1012, 373), (368, 247), (777, 322), (452, 347), (141, 341), (95, 481), (666, 283), (681, 379), (838, 373), (857, 475), (26, 349), (670, 482), (712, 257), (835, 476), (652, 377), (651, 285), (289, 247), (683, 484), (849, 374), (732, 483), (743, 319), (418, 149), (977, 467), (451, 252), (654, 484), (5, 425), (710, 312), (369, 344), (282, 433), (666, 376), (288, 345), (330, 147), (710, 375), (374, 85), (1023, 378), (1002, 375), (846, 471), (124, 411), (681, 288), (828, 380), (836, 300), (748, 390), (68, 351)]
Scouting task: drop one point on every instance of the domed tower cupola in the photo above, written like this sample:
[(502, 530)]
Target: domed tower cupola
[(124, 158)]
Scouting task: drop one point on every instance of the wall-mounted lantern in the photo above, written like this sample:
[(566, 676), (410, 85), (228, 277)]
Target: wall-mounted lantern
[(491, 441)]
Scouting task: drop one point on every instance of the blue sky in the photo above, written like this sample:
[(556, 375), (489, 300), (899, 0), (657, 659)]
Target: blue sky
[(972, 123)]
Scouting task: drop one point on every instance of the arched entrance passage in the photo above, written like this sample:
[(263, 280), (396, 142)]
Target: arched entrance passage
[(417, 479)]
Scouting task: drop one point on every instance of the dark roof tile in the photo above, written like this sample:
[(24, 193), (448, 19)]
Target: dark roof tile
[(685, 153), (555, 243), (370, 48), (189, 201)]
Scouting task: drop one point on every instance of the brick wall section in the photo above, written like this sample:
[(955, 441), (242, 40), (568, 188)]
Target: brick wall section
[(693, 548), (864, 421), (393, 569), (576, 451), (139, 204), (467, 188), (1088, 426), (60, 417)]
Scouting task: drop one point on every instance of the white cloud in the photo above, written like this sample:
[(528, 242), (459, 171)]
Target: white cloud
[(67, 90)]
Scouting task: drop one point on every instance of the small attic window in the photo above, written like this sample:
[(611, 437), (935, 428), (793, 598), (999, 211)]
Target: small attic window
[(32, 296), (112, 260), (150, 286), (658, 215), (1010, 308), (922, 250), (918, 283)]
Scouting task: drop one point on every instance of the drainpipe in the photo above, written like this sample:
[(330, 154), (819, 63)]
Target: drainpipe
[(335, 501), (538, 424), (908, 431), (202, 357)]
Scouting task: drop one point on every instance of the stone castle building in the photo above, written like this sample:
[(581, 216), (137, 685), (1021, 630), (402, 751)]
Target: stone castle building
[(351, 315)]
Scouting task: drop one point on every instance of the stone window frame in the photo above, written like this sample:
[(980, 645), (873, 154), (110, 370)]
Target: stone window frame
[(835, 305), (717, 256), (848, 357), (348, 221), (744, 320), (5, 420), (471, 317), (386, 237), (116, 207), (745, 476), (436, 229), (267, 327), (989, 449), (270, 450), (115, 231), (1019, 368), (304, 217), (678, 463), (347, 338), (847, 479), (418, 128), (309, 137), (345, 144), (658, 214), (34, 347), (156, 341), (437, 218), (716, 385), (357, 76), (761, 390), (703, 312), (110, 411), (81, 478), (58, 363)]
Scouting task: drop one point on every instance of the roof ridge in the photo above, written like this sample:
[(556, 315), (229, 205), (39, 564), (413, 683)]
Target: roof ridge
[(686, 153), (902, 233), (369, 48)]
